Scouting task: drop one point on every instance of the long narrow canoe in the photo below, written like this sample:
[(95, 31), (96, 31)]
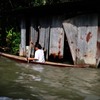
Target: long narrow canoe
[(24, 60)]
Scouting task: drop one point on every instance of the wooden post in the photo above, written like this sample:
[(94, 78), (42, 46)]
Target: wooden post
[(23, 39), (33, 32), (46, 46), (44, 31), (33, 37)]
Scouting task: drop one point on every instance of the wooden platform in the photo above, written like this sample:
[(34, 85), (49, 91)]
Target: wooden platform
[(24, 60)]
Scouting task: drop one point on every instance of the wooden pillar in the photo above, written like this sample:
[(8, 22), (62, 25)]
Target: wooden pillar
[(33, 38), (23, 39), (46, 46), (33, 32), (44, 30), (42, 36)]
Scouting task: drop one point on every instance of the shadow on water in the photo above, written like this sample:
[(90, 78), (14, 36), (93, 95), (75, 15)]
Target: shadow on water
[(19, 81)]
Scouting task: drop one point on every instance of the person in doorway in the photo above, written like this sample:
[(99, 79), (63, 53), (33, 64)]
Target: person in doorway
[(39, 54)]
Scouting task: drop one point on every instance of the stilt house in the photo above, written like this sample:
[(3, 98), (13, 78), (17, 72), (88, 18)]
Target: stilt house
[(69, 32)]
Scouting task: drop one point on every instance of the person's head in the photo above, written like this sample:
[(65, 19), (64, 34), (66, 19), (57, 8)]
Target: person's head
[(37, 46)]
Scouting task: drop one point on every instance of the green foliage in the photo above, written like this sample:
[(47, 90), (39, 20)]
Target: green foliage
[(13, 40), (39, 2), (6, 20)]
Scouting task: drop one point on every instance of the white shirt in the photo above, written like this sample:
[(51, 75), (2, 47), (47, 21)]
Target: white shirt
[(39, 54)]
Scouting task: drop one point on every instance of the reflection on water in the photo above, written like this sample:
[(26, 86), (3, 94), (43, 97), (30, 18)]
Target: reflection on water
[(19, 81)]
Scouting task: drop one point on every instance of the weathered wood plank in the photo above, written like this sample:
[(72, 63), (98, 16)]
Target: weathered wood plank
[(33, 32), (47, 35), (23, 39), (71, 32), (56, 38), (33, 38), (44, 34), (87, 39)]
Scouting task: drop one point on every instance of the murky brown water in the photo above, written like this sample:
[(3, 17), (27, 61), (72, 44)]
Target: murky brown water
[(19, 81)]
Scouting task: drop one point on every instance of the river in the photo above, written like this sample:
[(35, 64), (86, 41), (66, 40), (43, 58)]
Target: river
[(20, 81)]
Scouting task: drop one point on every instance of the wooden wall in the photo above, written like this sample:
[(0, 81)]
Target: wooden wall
[(82, 32)]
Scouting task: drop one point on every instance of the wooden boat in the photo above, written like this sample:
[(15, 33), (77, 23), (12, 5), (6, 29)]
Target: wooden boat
[(24, 60)]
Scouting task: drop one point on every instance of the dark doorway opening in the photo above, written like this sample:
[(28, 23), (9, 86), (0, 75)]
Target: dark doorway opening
[(98, 65), (67, 53), (27, 31)]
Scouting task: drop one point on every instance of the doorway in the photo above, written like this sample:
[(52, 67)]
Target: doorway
[(67, 53)]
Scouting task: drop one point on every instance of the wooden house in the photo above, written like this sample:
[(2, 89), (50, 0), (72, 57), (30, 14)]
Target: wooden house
[(69, 32)]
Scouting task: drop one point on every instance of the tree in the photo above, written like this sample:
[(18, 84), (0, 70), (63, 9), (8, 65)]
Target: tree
[(8, 27), (8, 5)]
